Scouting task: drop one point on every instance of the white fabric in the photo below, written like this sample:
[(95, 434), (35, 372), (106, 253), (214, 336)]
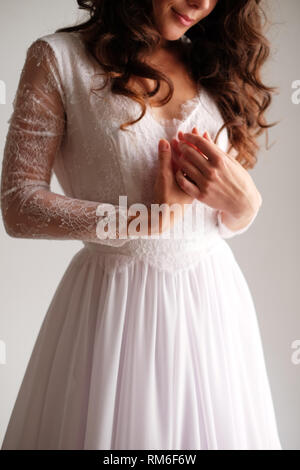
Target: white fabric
[(147, 343), (226, 232)]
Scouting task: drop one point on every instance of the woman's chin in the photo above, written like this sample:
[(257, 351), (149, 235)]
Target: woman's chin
[(172, 34)]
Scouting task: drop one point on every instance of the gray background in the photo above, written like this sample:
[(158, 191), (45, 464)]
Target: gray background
[(268, 253)]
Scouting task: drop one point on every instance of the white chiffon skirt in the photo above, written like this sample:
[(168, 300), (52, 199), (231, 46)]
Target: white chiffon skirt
[(141, 358)]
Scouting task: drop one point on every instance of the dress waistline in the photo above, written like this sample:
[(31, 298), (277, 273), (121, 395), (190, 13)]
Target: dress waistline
[(166, 254)]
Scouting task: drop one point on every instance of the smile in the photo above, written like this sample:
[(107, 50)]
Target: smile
[(183, 20)]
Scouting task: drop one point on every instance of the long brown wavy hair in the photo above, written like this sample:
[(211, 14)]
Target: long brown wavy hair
[(228, 49)]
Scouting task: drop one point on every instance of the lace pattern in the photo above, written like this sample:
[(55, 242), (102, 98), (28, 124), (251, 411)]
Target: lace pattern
[(37, 127), (56, 125)]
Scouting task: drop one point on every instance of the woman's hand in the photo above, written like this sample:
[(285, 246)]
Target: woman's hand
[(218, 179), (168, 188)]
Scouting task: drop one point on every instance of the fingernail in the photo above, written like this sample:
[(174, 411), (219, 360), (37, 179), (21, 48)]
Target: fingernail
[(163, 145)]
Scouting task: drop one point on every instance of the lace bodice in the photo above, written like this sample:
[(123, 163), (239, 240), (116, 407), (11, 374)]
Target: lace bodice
[(58, 125)]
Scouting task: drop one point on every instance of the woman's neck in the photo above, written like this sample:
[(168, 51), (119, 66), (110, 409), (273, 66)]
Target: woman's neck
[(165, 52)]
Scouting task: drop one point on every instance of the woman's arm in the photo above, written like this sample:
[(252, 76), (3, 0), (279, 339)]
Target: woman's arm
[(29, 208), (227, 232), (222, 219)]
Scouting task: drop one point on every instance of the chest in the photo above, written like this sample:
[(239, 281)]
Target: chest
[(185, 89)]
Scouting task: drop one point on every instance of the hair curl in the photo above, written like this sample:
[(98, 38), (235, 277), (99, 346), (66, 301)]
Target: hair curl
[(227, 53)]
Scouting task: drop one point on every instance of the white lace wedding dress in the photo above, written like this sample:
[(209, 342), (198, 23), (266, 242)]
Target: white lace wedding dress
[(147, 343)]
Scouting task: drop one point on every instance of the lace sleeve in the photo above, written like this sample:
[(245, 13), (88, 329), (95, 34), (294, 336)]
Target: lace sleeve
[(29, 208), (226, 232)]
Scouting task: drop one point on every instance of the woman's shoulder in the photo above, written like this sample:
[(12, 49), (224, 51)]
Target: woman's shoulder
[(60, 40), (60, 36), (66, 47)]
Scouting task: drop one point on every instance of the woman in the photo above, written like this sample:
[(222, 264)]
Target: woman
[(150, 341)]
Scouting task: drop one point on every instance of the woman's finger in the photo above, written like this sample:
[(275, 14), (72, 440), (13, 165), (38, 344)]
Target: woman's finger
[(189, 188), (206, 134), (208, 137), (174, 144), (211, 150), (189, 153), (192, 171), (182, 139)]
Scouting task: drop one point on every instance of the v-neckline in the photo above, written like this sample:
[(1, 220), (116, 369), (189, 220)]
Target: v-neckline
[(187, 108)]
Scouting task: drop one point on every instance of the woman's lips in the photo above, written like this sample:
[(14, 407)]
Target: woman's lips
[(183, 20)]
